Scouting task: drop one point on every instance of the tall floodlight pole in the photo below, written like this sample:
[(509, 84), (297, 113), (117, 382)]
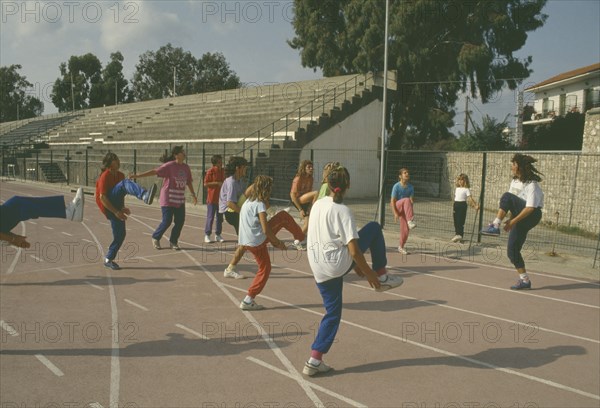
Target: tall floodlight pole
[(174, 78), (72, 94), (383, 116)]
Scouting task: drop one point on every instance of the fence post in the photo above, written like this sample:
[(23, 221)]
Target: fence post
[(24, 171), (251, 163), (87, 162), (134, 161), (68, 158), (37, 166), (482, 195), (204, 171), (573, 190)]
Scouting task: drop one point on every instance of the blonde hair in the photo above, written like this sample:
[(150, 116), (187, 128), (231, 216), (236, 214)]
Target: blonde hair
[(328, 168), (261, 188), (464, 177)]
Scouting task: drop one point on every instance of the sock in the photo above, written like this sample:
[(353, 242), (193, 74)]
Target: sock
[(497, 222), (524, 277), (381, 272), (248, 299), (314, 361), (383, 278)]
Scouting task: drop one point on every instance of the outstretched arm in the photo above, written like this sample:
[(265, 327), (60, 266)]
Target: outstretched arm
[(15, 240), (148, 173)]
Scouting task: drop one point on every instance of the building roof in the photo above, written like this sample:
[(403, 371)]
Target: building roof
[(567, 75)]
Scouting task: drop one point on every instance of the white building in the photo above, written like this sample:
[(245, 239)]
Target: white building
[(573, 91)]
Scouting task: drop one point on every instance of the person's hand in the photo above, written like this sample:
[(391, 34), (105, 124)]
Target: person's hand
[(477, 207), (132, 176), (195, 200), (126, 210), (396, 217), (373, 280), (280, 245), (508, 225), (19, 241), (121, 215), (302, 213)]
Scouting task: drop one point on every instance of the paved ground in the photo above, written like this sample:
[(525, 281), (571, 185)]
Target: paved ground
[(167, 331)]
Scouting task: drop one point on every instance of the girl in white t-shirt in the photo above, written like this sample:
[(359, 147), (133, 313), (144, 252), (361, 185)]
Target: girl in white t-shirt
[(462, 197), (335, 247), (524, 200), (256, 233)]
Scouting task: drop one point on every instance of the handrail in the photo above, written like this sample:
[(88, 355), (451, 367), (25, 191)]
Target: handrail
[(367, 77)]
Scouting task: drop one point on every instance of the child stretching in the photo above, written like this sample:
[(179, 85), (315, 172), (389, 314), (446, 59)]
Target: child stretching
[(402, 205), (462, 196), (335, 247), (256, 232)]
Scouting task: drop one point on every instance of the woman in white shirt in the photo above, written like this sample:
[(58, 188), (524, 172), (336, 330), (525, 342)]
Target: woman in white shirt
[(524, 200)]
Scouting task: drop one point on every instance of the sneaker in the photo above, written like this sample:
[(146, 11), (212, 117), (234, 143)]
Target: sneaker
[(156, 243), (251, 306), (491, 230), (521, 285), (402, 251), (389, 282), (310, 369), (149, 195), (207, 239), (232, 273), (74, 211), (300, 245), (112, 265), (411, 224), (174, 247), (457, 238), (219, 238)]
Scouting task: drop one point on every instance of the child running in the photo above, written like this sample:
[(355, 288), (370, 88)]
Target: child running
[(256, 233), (335, 248), (302, 194), (213, 180), (402, 204), (524, 200), (462, 196)]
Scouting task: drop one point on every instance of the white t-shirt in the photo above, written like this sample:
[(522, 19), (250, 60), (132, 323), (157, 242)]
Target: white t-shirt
[(251, 232), (330, 228), (461, 194), (530, 192)]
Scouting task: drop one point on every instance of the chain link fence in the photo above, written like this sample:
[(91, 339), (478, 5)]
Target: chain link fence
[(571, 215)]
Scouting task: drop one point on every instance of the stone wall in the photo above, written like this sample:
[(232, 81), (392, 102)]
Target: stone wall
[(591, 132)]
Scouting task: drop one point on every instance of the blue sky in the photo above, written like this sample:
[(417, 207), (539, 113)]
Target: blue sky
[(252, 35)]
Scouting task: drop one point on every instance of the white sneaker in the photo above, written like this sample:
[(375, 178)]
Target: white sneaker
[(232, 273), (174, 247), (251, 306), (389, 282), (207, 239), (411, 224), (156, 243), (219, 238), (457, 238), (270, 213), (300, 245), (402, 251), (74, 211), (311, 370)]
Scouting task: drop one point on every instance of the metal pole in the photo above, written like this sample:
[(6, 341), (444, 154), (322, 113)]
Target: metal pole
[(383, 114), (482, 195), (72, 94)]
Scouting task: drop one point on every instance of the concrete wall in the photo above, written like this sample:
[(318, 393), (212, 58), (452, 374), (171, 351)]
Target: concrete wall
[(591, 132), (353, 142)]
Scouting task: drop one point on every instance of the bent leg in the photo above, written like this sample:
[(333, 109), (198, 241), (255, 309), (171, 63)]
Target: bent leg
[(17, 209), (119, 232), (370, 237), (331, 292), (261, 255), (283, 220), (167, 218)]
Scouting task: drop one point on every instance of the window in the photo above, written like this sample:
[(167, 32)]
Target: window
[(562, 104), (592, 98), (547, 107), (571, 104)]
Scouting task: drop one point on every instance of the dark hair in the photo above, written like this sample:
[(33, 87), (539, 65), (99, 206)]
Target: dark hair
[(108, 159), (261, 188), (338, 182), (527, 171), (234, 163), (403, 169), (170, 157), (215, 159)]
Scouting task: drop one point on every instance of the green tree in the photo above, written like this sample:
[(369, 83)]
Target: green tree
[(115, 88), (563, 133), (80, 84), (14, 102), (490, 135), (156, 72), (437, 47)]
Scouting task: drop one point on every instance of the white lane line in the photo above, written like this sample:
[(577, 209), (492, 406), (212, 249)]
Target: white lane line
[(103, 223), (86, 240), (272, 345), (94, 405), (94, 286), (437, 350), (8, 328), (115, 365), (517, 292), (48, 228), (13, 264), (32, 222), (67, 234), (504, 268), (49, 365), (36, 258), (185, 272), (147, 233), (145, 259), (347, 400), (502, 319), (145, 309), (61, 270), (195, 333)]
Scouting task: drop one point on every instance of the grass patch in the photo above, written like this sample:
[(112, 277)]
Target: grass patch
[(576, 231)]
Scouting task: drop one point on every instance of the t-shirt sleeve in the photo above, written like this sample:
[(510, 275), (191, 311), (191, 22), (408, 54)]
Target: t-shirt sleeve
[(261, 208), (395, 191), (101, 185), (533, 195), (163, 170), (467, 192)]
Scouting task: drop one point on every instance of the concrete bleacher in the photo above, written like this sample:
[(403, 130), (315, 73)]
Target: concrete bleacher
[(32, 130), (223, 116)]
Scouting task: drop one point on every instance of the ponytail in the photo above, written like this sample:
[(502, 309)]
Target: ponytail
[(338, 181)]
